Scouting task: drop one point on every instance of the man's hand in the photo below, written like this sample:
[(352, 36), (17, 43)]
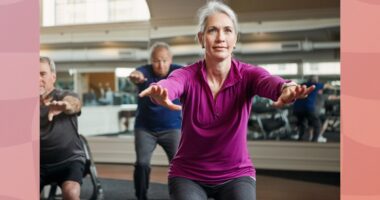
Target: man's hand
[(69, 105), (160, 96), (56, 108), (291, 93), (137, 77)]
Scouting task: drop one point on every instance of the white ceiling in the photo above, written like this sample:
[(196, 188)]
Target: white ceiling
[(164, 12), (174, 21)]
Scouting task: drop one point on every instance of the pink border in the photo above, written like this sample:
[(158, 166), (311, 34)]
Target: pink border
[(360, 144), (19, 142)]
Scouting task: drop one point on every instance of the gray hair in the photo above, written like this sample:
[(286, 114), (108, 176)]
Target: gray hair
[(211, 8), (159, 45), (49, 61), (313, 78)]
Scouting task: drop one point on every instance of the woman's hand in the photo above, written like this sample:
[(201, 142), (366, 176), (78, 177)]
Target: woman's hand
[(160, 96), (291, 93)]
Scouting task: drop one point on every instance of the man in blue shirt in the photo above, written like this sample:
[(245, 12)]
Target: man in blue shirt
[(305, 109), (154, 124)]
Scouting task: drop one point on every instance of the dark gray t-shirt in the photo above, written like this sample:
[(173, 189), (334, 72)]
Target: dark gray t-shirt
[(59, 139)]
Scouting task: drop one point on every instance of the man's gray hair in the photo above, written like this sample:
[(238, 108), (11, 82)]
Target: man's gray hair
[(213, 7), (49, 61), (159, 45), (314, 78)]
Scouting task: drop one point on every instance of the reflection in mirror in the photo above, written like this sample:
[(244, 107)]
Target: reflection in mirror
[(107, 88), (290, 123)]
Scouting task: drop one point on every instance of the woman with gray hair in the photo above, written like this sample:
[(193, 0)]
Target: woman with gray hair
[(216, 94)]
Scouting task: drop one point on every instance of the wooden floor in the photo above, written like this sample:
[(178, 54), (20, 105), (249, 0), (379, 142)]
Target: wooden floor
[(268, 187)]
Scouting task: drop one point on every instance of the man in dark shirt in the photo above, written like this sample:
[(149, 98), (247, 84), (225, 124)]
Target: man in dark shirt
[(305, 109), (154, 124), (62, 156)]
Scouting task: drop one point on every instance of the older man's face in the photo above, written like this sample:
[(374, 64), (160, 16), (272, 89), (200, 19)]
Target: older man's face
[(161, 60), (47, 79)]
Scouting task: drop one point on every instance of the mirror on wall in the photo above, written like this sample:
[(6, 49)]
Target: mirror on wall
[(287, 123)]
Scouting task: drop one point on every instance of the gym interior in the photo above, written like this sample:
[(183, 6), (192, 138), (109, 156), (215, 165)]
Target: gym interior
[(96, 44)]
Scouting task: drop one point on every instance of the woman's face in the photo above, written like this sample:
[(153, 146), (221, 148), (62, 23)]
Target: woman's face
[(219, 37)]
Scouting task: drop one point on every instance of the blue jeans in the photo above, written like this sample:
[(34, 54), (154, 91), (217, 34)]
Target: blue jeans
[(242, 188), (145, 143)]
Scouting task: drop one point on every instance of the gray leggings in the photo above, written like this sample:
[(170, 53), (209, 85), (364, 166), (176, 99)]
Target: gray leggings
[(145, 143), (242, 188)]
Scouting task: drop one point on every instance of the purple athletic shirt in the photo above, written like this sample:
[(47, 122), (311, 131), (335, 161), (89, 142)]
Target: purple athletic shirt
[(213, 146)]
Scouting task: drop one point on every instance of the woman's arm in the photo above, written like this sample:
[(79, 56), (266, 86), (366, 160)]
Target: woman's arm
[(165, 91)]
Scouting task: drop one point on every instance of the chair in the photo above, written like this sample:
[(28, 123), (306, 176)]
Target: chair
[(90, 169)]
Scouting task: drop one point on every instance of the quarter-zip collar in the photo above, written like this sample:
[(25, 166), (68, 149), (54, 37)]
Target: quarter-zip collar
[(233, 76)]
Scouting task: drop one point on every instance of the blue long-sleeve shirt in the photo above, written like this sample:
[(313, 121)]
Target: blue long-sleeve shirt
[(151, 116)]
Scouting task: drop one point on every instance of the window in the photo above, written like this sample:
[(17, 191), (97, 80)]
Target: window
[(69, 12), (281, 69), (322, 68)]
